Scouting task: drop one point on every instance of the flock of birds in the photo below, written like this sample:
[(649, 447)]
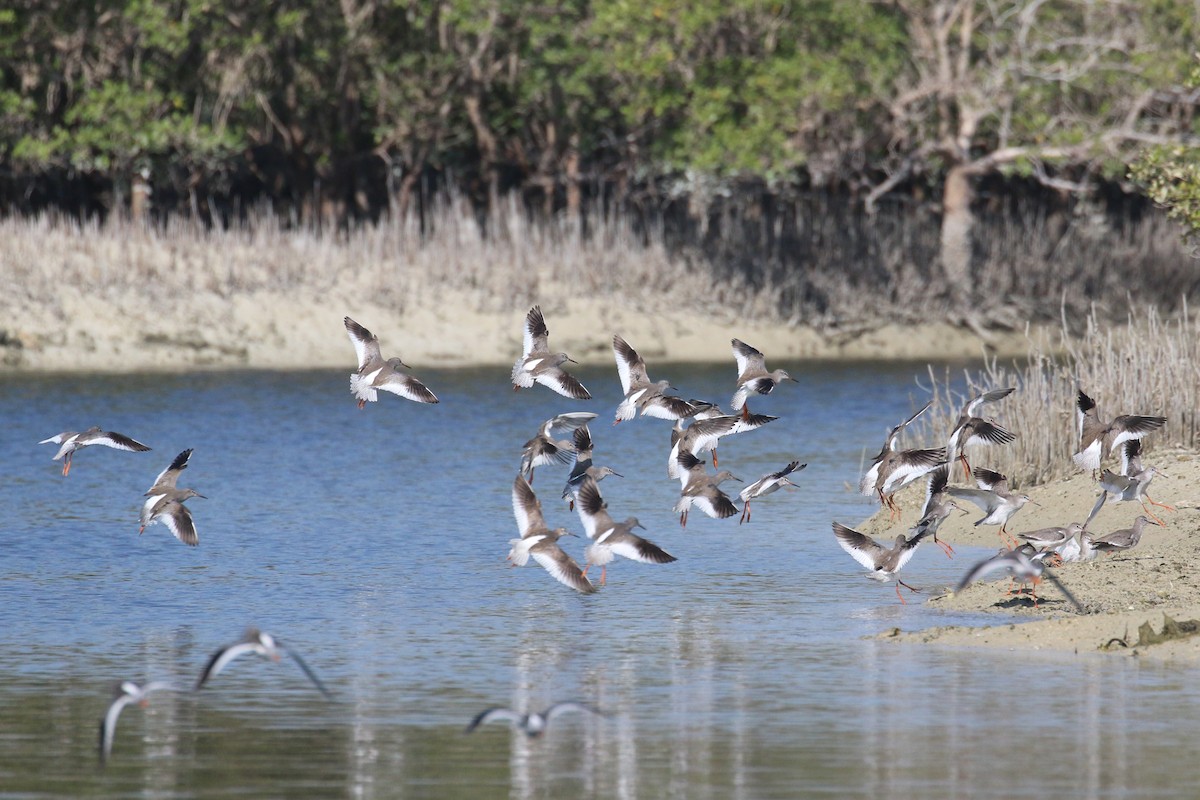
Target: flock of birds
[(1025, 556), (697, 429)]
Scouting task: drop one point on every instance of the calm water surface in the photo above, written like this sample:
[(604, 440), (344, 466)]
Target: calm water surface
[(373, 542)]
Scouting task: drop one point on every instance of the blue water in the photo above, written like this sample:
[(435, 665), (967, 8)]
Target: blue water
[(373, 543)]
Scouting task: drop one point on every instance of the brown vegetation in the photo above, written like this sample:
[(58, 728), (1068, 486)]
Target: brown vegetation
[(1142, 364)]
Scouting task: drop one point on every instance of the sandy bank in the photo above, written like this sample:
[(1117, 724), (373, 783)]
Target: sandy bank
[(124, 332), (1120, 592)]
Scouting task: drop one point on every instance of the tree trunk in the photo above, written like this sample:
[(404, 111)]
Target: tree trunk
[(957, 222)]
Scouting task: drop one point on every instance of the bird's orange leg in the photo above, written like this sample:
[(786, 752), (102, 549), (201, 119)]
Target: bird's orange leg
[(966, 465), (912, 589), (604, 574), (714, 452), (1151, 500), (1152, 516), (683, 519), (946, 548), (362, 404), (67, 465), (1009, 540)]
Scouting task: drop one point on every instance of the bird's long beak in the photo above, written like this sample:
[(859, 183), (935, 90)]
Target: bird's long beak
[(619, 475), (202, 497), (640, 525)]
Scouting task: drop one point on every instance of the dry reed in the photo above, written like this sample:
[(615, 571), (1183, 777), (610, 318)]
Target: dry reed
[(1147, 365), (813, 262)]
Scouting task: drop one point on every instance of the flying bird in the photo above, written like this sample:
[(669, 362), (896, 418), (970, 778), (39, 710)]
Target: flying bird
[(583, 467), (544, 449), (702, 489), (1132, 484), (538, 365), (709, 425), (259, 643), (883, 562), (126, 692), (938, 506), (1098, 438), (753, 376), (767, 484), (534, 723), (375, 374), (611, 538), (893, 469), (71, 441), (540, 542), (164, 503), (998, 502), (1022, 564), (971, 429), (641, 393)]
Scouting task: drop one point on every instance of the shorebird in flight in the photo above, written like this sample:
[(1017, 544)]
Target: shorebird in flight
[(611, 538), (164, 503), (998, 502), (1132, 484), (883, 562), (544, 449), (893, 469), (1023, 565), (938, 506), (971, 429), (702, 489), (583, 467), (126, 692), (753, 376), (262, 644), (767, 484), (540, 542), (532, 724), (375, 374), (1098, 438), (640, 392), (71, 441), (538, 365)]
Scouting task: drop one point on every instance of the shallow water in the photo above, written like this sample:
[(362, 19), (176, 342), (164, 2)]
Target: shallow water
[(373, 543)]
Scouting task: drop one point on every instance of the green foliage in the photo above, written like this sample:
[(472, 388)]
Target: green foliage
[(1170, 174), (547, 91)]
